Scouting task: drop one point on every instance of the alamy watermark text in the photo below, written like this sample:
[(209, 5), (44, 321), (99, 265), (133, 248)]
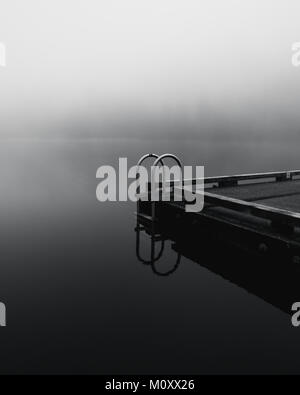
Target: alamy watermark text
[(160, 183)]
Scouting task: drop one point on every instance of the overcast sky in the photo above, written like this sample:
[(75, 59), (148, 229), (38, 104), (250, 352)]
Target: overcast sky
[(148, 58)]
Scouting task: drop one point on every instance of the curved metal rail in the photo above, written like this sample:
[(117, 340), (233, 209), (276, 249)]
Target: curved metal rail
[(154, 259), (156, 162)]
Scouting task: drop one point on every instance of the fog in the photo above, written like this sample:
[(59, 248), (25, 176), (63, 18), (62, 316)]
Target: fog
[(88, 82), (129, 68)]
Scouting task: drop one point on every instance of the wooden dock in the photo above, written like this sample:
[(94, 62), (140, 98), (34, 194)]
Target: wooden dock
[(248, 231), (258, 212)]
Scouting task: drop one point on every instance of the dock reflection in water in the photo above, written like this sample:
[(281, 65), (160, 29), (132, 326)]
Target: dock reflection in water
[(273, 280)]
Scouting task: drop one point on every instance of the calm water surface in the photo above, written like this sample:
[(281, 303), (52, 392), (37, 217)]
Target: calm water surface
[(78, 301)]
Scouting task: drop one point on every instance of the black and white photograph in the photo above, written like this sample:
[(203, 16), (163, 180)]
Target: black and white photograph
[(149, 190)]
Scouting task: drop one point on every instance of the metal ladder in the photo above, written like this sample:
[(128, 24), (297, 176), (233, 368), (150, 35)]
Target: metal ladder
[(153, 234)]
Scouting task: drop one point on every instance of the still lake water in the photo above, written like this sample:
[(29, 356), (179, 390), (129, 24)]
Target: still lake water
[(78, 301)]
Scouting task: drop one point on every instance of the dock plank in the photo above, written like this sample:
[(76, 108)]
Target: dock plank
[(284, 195)]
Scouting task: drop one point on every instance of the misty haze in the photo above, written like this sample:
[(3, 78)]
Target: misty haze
[(87, 82)]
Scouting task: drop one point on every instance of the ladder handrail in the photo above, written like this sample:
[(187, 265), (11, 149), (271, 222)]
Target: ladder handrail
[(156, 162), (159, 159), (154, 259), (141, 160)]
